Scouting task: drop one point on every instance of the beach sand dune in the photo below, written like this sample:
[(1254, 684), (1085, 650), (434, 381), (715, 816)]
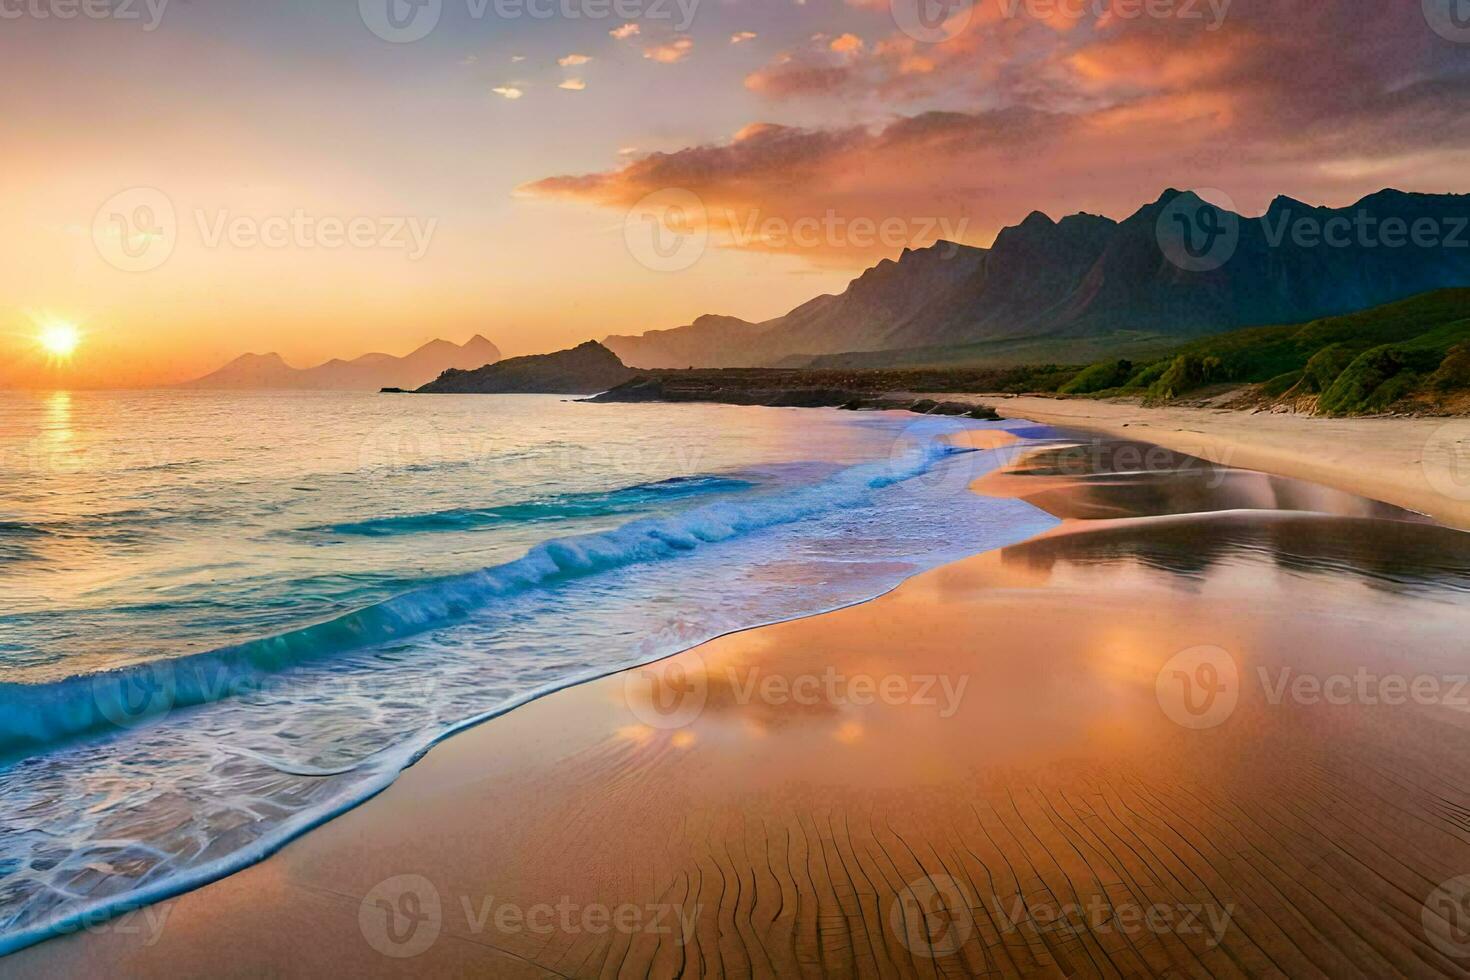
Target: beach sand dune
[(1214, 724)]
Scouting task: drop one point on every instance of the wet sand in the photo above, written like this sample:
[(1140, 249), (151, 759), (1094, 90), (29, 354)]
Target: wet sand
[(1419, 463), (1091, 754)]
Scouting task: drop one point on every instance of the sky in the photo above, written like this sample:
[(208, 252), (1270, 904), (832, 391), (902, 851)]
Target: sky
[(188, 180)]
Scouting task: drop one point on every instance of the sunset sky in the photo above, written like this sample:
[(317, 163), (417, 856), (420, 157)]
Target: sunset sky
[(516, 146)]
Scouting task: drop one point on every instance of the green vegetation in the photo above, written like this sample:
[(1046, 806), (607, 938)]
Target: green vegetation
[(1407, 355), (1324, 367), (1099, 377), (1014, 352), (1185, 373)]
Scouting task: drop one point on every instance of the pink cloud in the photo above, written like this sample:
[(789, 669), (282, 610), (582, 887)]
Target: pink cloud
[(1013, 114)]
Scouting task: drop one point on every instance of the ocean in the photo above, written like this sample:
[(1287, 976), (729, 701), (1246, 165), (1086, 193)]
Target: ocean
[(226, 618)]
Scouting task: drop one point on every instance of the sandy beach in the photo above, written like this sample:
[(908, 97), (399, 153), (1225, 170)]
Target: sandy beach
[(1419, 463), (1214, 724)]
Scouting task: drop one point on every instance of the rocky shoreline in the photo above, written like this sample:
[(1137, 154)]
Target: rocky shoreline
[(736, 388)]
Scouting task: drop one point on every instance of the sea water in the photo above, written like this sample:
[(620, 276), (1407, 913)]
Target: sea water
[(226, 618)]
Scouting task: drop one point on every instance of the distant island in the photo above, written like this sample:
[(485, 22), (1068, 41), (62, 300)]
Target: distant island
[(1088, 287), (582, 370), (370, 372)]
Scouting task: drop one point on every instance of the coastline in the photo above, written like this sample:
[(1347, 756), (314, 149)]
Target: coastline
[(694, 813), (1410, 462)]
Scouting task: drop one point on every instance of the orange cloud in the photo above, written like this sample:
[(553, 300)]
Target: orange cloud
[(667, 54), (1261, 106)]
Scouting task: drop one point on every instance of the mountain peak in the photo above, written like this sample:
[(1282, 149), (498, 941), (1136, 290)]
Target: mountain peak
[(587, 368), (270, 358), (1083, 276), (370, 372)]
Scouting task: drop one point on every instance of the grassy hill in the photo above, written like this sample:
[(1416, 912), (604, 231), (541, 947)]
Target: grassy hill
[(1413, 355), (987, 354)]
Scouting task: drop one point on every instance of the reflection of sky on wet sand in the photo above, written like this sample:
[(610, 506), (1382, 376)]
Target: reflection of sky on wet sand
[(1060, 639)]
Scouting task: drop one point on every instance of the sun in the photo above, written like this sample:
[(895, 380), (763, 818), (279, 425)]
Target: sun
[(60, 339)]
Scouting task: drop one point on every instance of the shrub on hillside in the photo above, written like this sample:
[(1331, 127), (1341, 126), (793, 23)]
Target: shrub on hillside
[(1187, 372), (1453, 372), (1324, 368), (1099, 377), (1376, 379)]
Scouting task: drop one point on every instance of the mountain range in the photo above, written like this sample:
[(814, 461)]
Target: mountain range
[(1091, 277), (370, 372)]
